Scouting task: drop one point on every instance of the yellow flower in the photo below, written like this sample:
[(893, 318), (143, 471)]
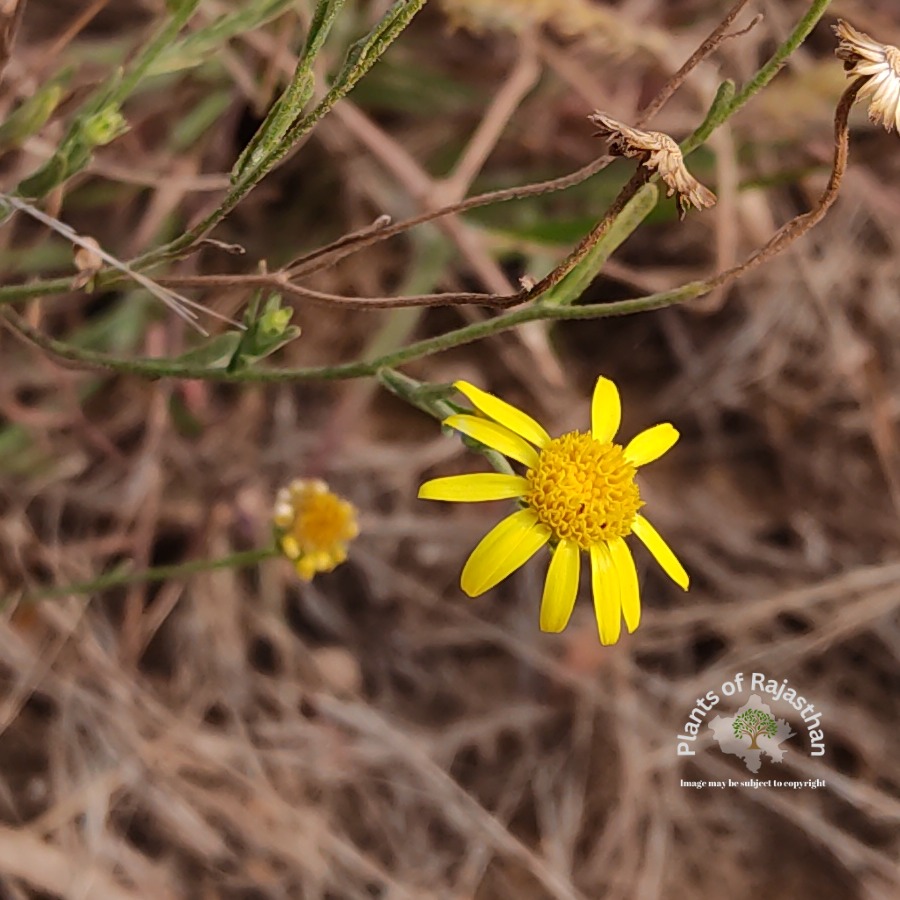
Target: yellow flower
[(866, 57), (313, 526), (578, 494)]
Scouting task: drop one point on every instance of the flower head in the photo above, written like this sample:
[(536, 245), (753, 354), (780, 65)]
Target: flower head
[(313, 526), (658, 152), (578, 494), (880, 63)]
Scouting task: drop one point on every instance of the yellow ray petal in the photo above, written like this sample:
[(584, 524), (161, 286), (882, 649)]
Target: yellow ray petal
[(661, 552), (508, 545), (606, 411), (504, 413), (607, 595), (561, 587), (497, 437), (623, 562), (475, 487), (651, 444)]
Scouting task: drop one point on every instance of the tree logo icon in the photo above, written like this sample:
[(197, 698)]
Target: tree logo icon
[(754, 723)]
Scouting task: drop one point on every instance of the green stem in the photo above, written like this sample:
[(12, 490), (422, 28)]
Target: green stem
[(478, 330), (800, 33), (160, 368), (719, 114), (369, 54), (239, 560), (155, 368), (14, 293)]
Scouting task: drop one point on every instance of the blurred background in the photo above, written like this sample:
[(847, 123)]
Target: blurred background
[(375, 733)]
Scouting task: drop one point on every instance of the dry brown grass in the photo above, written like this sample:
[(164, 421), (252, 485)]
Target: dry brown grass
[(375, 733)]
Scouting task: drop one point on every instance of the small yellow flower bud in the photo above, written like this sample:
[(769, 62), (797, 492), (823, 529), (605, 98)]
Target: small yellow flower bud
[(313, 526)]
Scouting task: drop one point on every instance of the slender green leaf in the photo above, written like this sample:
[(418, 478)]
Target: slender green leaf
[(578, 280), (31, 116), (322, 21), (99, 120), (201, 44), (361, 57), (288, 108), (284, 112), (215, 353)]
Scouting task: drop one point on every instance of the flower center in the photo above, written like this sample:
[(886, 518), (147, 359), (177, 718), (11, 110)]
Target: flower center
[(321, 521), (583, 490)]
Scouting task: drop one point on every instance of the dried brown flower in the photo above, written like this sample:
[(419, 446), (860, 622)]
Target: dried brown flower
[(866, 58), (658, 152), (88, 260)]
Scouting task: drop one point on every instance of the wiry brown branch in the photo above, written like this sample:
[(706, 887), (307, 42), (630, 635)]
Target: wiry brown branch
[(716, 38), (281, 280), (799, 225), (783, 238), (351, 243), (789, 233)]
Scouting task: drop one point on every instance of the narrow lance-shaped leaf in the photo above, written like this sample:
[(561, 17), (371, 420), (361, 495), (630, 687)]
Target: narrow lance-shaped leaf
[(322, 21), (430, 398), (31, 116), (577, 281), (99, 120), (718, 112), (216, 353), (281, 116), (365, 52), (201, 43), (288, 108), (361, 57)]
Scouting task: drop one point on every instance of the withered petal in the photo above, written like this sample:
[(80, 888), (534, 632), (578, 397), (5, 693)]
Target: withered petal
[(659, 153)]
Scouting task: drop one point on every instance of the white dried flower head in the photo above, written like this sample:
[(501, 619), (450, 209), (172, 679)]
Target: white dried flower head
[(880, 63), (658, 152)]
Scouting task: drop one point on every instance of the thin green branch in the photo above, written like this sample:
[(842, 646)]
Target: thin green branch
[(800, 33), (34, 290), (798, 226), (360, 59), (161, 368), (240, 560), (726, 104)]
